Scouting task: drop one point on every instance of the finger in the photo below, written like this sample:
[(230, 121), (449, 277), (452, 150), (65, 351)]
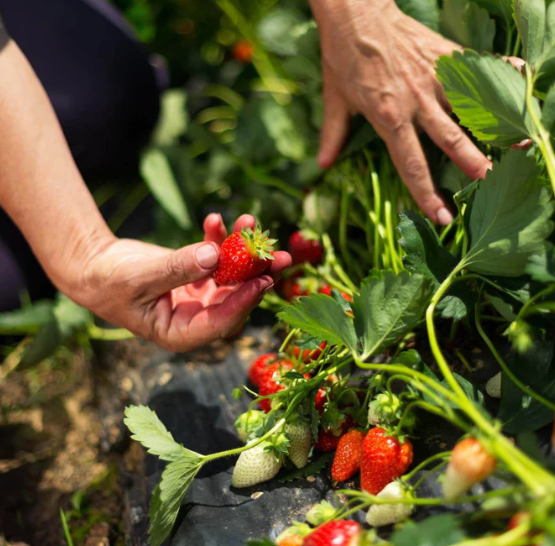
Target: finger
[(335, 125), (517, 62), (186, 265), (282, 261), (214, 229), (407, 155), (192, 327), (522, 145), (450, 137), (244, 221)]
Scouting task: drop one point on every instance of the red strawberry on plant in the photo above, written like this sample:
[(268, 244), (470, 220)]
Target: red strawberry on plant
[(243, 51), (384, 458), (346, 462), (309, 354), (304, 247), (269, 383), (326, 289), (328, 439), (320, 400), (259, 366), (244, 255), (335, 533), (299, 286)]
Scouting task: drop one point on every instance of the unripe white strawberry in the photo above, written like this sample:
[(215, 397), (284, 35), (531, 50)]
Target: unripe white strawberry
[(388, 514), (298, 432), (470, 464), (255, 466), (248, 422), (493, 386), (320, 513), (297, 530)]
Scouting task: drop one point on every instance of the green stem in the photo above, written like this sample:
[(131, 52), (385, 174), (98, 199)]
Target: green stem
[(443, 455), (541, 137), (508, 372), (531, 473), (237, 451), (108, 334), (332, 260)]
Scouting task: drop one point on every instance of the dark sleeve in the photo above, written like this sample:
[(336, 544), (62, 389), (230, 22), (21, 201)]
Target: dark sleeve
[(4, 38)]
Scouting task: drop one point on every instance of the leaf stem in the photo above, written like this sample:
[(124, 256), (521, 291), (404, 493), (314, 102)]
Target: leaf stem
[(108, 334), (508, 372)]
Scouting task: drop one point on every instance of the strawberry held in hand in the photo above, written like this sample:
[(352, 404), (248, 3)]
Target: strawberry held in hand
[(244, 255), (335, 533), (384, 458)]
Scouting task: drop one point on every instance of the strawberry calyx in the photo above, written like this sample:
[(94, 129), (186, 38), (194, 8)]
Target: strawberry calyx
[(258, 243)]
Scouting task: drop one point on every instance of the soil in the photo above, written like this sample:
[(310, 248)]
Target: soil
[(50, 457)]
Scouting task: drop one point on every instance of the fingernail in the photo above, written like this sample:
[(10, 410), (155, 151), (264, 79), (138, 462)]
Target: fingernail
[(266, 284), (444, 217), (207, 256)]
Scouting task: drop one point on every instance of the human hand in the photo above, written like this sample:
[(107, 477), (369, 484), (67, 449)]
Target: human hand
[(169, 296), (379, 62)]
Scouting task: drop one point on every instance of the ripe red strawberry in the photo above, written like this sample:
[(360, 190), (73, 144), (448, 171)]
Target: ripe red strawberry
[(309, 354), (320, 400), (326, 289), (335, 533), (304, 249), (244, 255), (329, 439), (269, 384), (384, 458), (346, 462), (470, 464), (243, 51), (259, 367), (299, 286)]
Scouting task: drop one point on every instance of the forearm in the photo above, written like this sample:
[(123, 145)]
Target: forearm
[(40, 186)]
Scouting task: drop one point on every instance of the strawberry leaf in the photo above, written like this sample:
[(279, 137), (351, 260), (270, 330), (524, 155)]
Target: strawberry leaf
[(468, 24), (168, 495), (530, 20), (508, 218), (313, 469), (322, 317), (488, 95), (147, 429), (442, 530), (388, 306)]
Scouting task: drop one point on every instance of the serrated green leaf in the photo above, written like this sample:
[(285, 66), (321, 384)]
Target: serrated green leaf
[(147, 429), (27, 320), (453, 179), (176, 479), (509, 218), (443, 530), (424, 253), (281, 126), (157, 173), (424, 11), (45, 343), (388, 306), (468, 24), (548, 112), (313, 469), (536, 369), (541, 266), (530, 21), (488, 95), (501, 8), (321, 317), (71, 318), (502, 307)]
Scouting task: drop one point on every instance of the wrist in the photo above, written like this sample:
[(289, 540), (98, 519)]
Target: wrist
[(69, 270)]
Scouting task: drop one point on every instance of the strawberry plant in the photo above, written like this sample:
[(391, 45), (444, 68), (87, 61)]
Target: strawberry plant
[(393, 335)]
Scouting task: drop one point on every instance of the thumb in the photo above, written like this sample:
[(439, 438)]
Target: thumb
[(186, 265), (335, 126)]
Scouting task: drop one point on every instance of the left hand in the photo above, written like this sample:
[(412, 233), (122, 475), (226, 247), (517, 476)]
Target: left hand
[(170, 296)]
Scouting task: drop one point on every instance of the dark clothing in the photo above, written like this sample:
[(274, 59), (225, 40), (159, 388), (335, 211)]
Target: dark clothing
[(105, 94)]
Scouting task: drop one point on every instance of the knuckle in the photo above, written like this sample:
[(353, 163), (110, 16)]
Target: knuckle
[(453, 138), (389, 114), (175, 266), (415, 168)]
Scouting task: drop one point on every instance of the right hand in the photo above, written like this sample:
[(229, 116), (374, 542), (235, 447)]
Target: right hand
[(379, 62)]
